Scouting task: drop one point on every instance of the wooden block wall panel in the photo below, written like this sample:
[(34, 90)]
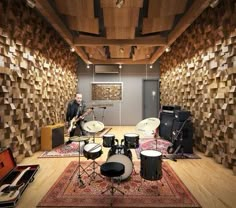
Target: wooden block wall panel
[(200, 75), (37, 77)]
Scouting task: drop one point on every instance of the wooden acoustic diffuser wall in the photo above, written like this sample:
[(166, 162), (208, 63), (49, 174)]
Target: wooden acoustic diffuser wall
[(37, 77), (199, 74)]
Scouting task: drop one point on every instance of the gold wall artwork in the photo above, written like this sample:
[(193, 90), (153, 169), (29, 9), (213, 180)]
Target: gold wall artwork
[(107, 90)]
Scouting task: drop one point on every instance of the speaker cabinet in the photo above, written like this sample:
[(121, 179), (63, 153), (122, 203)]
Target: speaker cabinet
[(52, 136), (182, 115), (186, 142), (166, 123)]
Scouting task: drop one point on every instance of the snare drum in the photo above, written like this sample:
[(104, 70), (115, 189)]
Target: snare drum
[(92, 151), (131, 140), (108, 140), (151, 165), (126, 162)]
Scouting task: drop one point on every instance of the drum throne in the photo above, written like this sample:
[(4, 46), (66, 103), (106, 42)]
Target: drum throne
[(112, 170)]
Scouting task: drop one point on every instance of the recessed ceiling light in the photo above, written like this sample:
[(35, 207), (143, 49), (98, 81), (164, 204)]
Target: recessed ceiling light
[(168, 49)]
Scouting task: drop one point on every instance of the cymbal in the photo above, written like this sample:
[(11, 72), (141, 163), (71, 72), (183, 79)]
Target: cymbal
[(78, 138), (93, 126), (148, 125)]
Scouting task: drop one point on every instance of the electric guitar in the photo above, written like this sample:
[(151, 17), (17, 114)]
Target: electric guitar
[(9, 192), (76, 119)]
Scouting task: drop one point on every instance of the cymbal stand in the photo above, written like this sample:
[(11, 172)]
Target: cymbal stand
[(80, 181)]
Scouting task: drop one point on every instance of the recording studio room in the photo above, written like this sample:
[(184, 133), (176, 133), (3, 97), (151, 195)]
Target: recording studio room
[(118, 103)]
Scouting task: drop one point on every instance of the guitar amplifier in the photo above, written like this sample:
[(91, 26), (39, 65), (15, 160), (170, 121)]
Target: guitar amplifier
[(52, 136), (14, 176)]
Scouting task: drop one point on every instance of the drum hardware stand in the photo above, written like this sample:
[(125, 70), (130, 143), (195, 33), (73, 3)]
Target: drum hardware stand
[(80, 181), (112, 188), (94, 165), (92, 175)]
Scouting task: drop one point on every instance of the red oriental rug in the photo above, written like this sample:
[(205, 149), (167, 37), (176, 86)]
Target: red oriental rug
[(67, 193), (161, 145)]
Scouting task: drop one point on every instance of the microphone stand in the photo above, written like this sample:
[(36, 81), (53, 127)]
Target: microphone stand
[(180, 146), (104, 108)]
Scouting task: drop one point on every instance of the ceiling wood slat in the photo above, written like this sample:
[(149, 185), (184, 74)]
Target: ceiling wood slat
[(142, 28), (195, 10), (155, 40), (157, 24), (45, 8)]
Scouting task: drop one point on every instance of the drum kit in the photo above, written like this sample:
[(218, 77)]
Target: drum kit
[(151, 160)]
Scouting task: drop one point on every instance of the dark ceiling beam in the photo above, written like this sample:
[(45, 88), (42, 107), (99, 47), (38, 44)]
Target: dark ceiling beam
[(49, 13), (194, 11), (156, 40), (119, 61)]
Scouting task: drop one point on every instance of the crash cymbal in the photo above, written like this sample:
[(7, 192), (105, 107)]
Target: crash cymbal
[(93, 126), (78, 138), (147, 125)]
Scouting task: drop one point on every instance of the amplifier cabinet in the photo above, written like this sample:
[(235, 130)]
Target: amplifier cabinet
[(52, 136)]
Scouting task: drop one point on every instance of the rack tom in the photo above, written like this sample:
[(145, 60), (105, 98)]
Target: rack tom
[(131, 140)]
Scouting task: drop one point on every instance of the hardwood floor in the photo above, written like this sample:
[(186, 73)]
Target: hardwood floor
[(212, 185)]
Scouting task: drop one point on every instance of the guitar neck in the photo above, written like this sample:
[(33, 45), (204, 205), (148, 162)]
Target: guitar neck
[(19, 177)]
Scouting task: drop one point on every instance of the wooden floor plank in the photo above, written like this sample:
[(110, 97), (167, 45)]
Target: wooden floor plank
[(213, 185)]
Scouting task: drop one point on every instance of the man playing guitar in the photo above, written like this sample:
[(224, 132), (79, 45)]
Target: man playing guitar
[(75, 115)]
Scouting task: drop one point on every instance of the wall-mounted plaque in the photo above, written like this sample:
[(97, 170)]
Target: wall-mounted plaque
[(107, 90)]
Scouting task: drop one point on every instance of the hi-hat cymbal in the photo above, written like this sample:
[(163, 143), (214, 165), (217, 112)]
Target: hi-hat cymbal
[(93, 126), (148, 125), (78, 138)]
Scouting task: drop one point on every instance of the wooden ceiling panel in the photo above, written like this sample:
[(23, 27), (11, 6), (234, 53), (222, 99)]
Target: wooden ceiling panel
[(124, 17), (141, 53), (120, 33), (76, 7), (120, 51), (84, 25), (96, 53), (127, 3), (161, 8), (122, 27), (157, 24), (79, 15)]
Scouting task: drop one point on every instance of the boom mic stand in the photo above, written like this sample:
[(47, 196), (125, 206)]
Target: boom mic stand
[(104, 108)]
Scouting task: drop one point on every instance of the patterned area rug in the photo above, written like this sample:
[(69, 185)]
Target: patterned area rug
[(161, 145), (69, 150), (167, 192)]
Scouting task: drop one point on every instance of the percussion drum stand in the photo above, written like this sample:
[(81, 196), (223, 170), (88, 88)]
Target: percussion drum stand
[(80, 181)]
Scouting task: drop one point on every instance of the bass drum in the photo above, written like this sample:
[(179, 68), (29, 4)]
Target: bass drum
[(126, 162), (151, 165), (123, 150)]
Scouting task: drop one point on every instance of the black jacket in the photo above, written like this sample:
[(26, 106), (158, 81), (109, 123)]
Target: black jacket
[(74, 109)]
